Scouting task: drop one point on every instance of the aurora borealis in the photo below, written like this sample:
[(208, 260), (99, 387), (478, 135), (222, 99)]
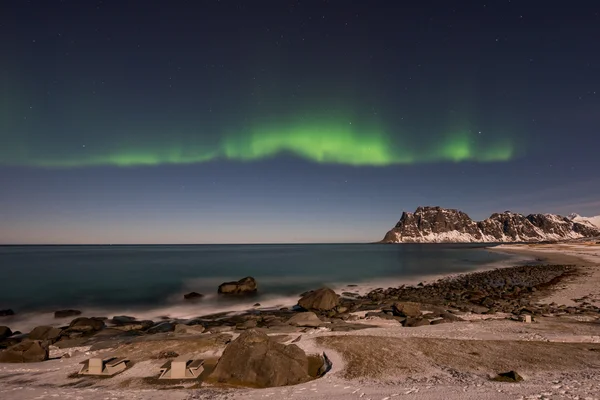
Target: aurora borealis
[(224, 121), (325, 143)]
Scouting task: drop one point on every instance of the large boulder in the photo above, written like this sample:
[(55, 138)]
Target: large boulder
[(26, 351), (45, 333), (256, 360), (84, 325), (66, 313), (323, 299), (5, 332), (306, 319), (407, 309), (243, 286)]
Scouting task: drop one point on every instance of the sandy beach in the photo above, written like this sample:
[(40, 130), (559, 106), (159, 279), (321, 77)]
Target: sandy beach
[(558, 355)]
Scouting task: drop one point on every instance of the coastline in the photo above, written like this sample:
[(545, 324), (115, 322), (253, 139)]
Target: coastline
[(585, 256), (176, 308), (382, 359)]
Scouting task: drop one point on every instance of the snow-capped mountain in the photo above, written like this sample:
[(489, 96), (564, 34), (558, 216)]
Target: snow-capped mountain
[(440, 225), (591, 221)]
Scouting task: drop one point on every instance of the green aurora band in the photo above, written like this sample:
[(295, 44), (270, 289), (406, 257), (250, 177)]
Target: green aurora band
[(330, 143)]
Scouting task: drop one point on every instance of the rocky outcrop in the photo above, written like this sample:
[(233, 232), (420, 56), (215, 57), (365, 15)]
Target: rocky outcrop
[(45, 333), (256, 360), (26, 351), (245, 285), (440, 225), (323, 299)]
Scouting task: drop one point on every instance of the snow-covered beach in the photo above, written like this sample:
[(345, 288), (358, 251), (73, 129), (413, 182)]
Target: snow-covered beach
[(557, 354)]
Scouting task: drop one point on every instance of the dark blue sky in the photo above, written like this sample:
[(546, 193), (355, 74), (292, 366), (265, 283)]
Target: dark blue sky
[(286, 121)]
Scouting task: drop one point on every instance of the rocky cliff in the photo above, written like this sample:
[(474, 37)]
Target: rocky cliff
[(440, 225)]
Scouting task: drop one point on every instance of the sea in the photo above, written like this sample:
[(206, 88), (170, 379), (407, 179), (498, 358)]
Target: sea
[(149, 281)]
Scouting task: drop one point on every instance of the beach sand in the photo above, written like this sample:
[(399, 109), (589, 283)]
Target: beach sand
[(558, 356)]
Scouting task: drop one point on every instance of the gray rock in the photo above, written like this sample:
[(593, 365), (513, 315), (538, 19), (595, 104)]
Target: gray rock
[(162, 327), (256, 360), (323, 299), (49, 333), (306, 319), (245, 285), (66, 313), (26, 351)]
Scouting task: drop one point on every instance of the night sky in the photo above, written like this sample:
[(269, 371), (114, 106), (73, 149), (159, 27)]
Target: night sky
[(290, 121)]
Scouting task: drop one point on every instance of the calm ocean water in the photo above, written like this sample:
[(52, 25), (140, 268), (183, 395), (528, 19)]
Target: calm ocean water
[(149, 281)]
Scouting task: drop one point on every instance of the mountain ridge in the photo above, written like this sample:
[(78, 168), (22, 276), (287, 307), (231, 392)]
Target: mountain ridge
[(593, 221), (433, 224)]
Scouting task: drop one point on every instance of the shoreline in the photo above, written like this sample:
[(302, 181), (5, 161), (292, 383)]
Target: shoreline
[(176, 308), (376, 356), (585, 256)]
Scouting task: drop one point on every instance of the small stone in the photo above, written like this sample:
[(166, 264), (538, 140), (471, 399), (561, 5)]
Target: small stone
[(510, 376)]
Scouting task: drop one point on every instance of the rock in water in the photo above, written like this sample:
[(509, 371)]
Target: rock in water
[(6, 313), (5, 332), (510, 376), (193, 296), (45, 333), (243, 286), (256, 360), (84, 324), (407, 309), (66, 313), (323, 299), (26, 351), (306, 319)]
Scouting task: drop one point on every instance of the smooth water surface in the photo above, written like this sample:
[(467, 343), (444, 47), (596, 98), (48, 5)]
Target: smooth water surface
[(46, 278)]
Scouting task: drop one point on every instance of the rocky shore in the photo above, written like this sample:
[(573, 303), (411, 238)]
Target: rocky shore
[(513, 290), (283, 336)]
